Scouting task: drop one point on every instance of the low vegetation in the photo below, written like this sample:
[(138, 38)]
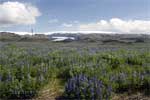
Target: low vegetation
[(82, 74)]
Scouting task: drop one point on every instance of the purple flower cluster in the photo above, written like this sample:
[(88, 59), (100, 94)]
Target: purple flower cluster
[(82, 87)]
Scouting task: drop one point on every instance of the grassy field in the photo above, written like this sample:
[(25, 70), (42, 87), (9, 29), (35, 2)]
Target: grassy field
[(73, 70)]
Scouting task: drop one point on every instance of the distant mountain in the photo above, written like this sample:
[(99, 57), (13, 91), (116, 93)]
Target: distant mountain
[(106, 38), (78, 37), (7, 36)]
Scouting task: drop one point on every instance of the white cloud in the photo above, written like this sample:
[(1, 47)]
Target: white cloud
[(16, 13), (67, 25), (117, 25), (53, 21)]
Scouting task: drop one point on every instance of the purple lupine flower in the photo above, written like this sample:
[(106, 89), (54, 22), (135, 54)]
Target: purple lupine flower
[(0, 77), (92, 93), (98, 91), (80, 86), (108, 94)]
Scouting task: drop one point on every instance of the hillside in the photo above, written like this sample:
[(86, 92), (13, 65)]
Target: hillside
[(79, 37)]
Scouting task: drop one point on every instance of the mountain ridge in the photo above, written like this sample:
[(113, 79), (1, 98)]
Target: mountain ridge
[(79, 37)]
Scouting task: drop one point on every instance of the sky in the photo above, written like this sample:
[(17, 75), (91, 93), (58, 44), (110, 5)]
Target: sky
[(126, 16)]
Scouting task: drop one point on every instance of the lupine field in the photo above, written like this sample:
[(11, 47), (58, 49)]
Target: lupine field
[(85, 73)]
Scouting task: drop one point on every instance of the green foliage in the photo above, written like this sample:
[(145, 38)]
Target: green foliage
[(24, 71)]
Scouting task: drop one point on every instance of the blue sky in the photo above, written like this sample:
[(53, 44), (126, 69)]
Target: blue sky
[(60, 15)]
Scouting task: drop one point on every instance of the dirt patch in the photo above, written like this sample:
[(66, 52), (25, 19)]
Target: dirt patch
[(136, 96), (50, 91)]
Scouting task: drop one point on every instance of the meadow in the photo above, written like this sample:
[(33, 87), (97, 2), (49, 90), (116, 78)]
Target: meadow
[(83, 70)]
